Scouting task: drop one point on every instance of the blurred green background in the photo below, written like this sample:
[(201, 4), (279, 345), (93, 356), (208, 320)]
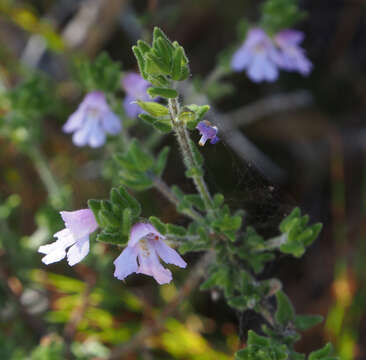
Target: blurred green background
[(314, 140)]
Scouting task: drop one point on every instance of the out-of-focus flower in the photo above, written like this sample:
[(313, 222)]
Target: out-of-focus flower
[(92, 120), (78, 226), (258, 55), (292, 54), (208, 132), (146, 245), (135, 87)]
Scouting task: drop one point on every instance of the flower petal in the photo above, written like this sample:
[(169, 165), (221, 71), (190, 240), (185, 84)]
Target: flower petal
[(111, 123), (241, 59), (97, 135), (131, 108), (262, 69), (140, 230), (81, 136), (126, 263), (150, 265), (167, 254), (80, 223), (75, 121), (78, 251), (56, 251), (289, 37)]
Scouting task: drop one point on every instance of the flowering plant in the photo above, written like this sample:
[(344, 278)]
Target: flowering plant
[(237, 254), (124, 116)]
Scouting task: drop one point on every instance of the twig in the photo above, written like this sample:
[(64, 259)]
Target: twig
[(192, 281), (93, 24), (268, 106)]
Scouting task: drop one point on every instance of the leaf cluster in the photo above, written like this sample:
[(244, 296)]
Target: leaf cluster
[(278, 15), (23, 108), (161, 63), (102, 74), (297, 234), (116, 216), (137, 169)]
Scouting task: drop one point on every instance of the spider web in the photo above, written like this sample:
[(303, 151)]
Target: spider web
[(264, 202)]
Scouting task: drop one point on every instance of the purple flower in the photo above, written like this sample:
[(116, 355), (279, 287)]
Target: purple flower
[(135, 87), (92, 120), (79, 225), (258, 55), (146, 245), (292, 55), (208, 132)]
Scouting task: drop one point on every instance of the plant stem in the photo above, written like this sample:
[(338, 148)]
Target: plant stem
[(46, 175), (187, 151), (161, 185), (273, 243)]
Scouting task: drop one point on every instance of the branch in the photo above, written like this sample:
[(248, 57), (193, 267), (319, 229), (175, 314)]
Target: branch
[(267, 106)]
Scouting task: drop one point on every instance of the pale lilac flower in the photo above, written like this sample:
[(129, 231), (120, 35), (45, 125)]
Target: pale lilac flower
[(208, 132), (135, 87), (92, 120), (79, 225), (146, 245), (258, 55), (292, 54)]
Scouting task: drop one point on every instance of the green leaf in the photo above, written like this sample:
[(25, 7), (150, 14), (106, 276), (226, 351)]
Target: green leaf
[(112, 238), (140, 61), (228, 223), (133, 204), (162, 92), (196, 201), (164, 49), (255, 339), (143, 46), (109, 219), (102, 74), (156, 65), (218, 200), (323, 353), (127, 221), (305, 322), (175, 230), (142, 160), (197, 156), (284, 225), (262, 348), (161, 161), (212, 281), (94, 205), (285, 312), (153, 108), (158, 224), (159, 34), (192, 246), (138, 182), (163, 126), (148, 118), (177, 64), (199, 112), (117, 199)]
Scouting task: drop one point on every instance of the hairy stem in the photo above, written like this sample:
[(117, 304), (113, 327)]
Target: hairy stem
[(187, 151), (162, 186)]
